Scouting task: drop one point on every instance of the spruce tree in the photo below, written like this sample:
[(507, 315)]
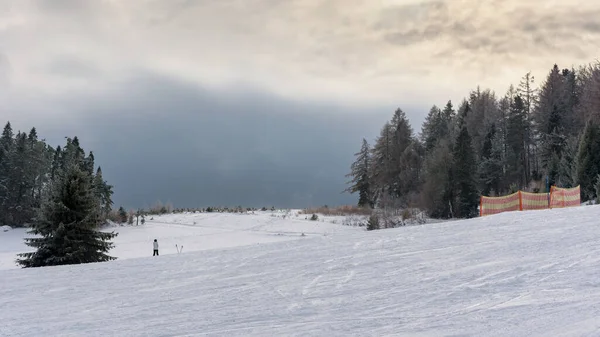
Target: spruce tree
[(122, 215), (437, 189), (567, 172), (104, 193), (588, 160), (431, 130), (465, 166), (405, 165), (381, 155), (7, 147), (517, 143), (491, 166), (68, 223), (360, 173)]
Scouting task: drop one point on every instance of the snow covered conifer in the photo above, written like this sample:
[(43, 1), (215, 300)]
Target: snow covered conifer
[(68, 222), (360, 173)]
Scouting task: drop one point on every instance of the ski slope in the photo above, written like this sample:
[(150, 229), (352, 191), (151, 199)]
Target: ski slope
[(531, 273), (195, 232)]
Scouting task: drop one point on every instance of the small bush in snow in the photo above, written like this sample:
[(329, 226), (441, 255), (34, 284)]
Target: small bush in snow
[(354, 221), (314, 217), (406, 214), (373, 222)]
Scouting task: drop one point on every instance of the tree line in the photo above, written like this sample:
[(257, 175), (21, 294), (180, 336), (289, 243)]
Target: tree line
[(59, 194), (488, 145)]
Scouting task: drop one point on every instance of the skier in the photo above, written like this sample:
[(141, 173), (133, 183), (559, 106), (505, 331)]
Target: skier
[(155, 248)]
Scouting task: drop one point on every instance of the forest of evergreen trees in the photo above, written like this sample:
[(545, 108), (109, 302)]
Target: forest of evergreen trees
[(491, 145), (58, 194)]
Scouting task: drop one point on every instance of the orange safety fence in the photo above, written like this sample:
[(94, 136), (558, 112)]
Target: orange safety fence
[(495, 205), (533, 201), (525, 201), (565, 197)]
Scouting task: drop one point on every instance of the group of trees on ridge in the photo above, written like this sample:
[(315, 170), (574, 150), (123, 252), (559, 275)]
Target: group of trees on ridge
[(488, 145), (59, 195)]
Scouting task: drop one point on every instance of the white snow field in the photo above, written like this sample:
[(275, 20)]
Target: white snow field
[(195, 231), (533, 273)]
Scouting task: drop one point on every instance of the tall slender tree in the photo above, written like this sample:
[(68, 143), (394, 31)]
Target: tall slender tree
[(361, 177), (467, 196), (588, 159)]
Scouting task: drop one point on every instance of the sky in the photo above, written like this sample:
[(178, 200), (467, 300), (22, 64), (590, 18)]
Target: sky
[(261, 102)]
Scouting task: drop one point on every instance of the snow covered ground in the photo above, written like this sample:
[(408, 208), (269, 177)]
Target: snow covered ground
[(195, 232), (531, 273)]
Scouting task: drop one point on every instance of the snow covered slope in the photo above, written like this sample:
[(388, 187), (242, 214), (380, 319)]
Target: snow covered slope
[(531, 273), (195, 231)]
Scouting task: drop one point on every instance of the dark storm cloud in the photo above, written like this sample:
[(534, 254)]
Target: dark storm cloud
[(158, 138)]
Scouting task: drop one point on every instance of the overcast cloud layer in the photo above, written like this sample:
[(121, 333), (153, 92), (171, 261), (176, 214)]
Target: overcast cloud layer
[(266, 99)]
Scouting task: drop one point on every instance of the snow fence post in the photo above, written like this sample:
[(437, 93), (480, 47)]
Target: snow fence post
[(520, 201)]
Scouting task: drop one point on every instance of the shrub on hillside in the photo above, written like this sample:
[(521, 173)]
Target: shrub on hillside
[(354, 221), (122, 215), (406, 214), (373, 223)]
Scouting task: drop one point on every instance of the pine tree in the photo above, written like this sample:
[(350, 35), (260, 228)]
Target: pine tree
[(465, 166), (567, 172), (588, 160), (438, 186), (448, 117), (517, 130), (360, 173), (381, 155), (432, 125), (529, 94), (552, 122), (589, 99), (483, 111), (570, 97), (122, 215), (405, 159), (67, 223), (19, 185), (103, 193), (6, 156), (491, 167)]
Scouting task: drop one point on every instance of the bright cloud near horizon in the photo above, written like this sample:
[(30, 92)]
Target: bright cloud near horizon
[(348, 51), (268, 98)]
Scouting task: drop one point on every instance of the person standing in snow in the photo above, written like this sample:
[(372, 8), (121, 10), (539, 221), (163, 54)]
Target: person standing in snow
[(155, 248)]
